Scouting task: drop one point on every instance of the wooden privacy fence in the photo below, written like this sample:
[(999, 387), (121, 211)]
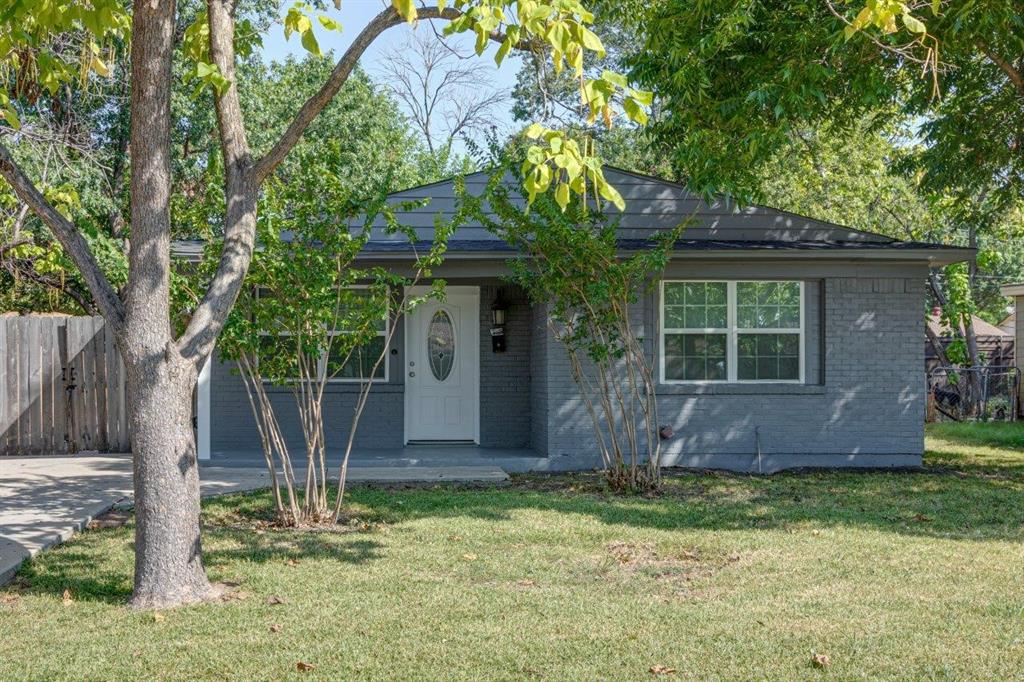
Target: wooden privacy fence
[(62, 386)]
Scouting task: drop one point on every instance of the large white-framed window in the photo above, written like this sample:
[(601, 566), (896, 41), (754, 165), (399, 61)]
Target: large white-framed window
[(358, 366), (731, 331)]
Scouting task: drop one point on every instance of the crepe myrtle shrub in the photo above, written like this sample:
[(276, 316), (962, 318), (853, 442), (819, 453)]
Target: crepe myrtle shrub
[(312, 315), (570, 261)]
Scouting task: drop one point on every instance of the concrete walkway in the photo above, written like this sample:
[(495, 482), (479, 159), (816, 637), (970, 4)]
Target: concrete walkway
[(45, 500)]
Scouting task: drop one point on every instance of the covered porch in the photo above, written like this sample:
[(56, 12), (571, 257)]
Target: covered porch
[(458, 389)]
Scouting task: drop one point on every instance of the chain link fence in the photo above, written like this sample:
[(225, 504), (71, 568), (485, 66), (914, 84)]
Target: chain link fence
[(989, 393)]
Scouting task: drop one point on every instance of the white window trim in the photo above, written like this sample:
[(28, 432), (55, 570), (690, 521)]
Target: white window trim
[(732, 333), (321, 363)]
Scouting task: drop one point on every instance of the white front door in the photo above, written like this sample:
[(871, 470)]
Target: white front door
[(442, 368)]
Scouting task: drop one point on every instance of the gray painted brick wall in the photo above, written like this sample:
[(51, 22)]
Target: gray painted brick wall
[(235, 430), (539, 349), (862, 403), (863, 407), (505, 386)]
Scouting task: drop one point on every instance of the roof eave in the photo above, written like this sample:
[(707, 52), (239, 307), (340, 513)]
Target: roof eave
[(1012, 289)]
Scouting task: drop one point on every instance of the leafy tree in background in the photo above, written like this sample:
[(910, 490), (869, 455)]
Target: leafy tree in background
[(737, 77), (161, 366), (360, 142)]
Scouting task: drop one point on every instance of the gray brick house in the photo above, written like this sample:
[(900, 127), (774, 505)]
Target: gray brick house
[(770, 332)]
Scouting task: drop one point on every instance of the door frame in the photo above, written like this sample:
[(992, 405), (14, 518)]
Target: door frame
[(466, 339)]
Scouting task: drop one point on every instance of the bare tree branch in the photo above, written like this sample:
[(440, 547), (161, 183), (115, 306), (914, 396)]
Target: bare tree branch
[(440, 89), (316, 103), (70, 238)]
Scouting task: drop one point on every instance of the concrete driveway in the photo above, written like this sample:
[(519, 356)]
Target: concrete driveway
[(45, 500)]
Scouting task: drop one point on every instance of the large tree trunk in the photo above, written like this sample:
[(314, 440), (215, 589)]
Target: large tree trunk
[(168, 555)]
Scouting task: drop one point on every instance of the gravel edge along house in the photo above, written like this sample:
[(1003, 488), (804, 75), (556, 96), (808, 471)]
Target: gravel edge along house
[(779, 341)]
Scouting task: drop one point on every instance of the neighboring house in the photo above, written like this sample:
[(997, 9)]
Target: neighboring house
[(995, 344), (1016, 292), (1009, 323), (771, 333)]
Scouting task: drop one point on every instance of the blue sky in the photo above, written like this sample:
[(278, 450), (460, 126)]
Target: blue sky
[(356, 14)]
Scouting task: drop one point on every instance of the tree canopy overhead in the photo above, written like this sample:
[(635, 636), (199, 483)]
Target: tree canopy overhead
[(736, 77)]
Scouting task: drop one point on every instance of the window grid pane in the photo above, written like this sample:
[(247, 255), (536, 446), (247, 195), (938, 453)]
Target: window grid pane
[(696, 357), (696, 305), (768, 305), (359, 364), (768, 357)]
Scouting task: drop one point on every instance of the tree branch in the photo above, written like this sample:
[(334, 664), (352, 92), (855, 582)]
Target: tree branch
[(70, 238), (197, 342), (317, 102), (1011, 72)]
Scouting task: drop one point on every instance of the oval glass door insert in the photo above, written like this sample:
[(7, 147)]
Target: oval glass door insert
[(441, 345)]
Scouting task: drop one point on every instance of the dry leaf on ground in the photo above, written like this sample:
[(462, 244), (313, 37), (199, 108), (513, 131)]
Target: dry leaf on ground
[(275, 627), (821, 660), (274, 600), (661, 670), (303, 667)]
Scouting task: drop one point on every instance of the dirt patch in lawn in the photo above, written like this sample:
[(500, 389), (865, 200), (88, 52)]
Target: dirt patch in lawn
[(680, 571)]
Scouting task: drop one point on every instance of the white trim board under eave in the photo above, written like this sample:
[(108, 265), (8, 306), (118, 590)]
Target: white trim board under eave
[(203, 410)]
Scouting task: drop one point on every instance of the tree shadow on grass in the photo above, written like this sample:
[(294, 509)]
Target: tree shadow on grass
[(282, 545), (77, 571), (955, 504), (79, 566)]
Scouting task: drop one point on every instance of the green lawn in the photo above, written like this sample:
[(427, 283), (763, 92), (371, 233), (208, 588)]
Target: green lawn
[(892, 575)]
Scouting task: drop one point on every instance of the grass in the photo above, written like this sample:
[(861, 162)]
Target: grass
[(891, 575)]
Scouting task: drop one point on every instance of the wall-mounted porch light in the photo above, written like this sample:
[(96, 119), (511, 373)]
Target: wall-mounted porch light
[(499, 310)]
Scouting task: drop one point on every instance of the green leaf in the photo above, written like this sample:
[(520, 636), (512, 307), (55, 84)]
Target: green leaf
[(309, 42), (329, 23), (914, 24), (534, 131), (591, 41), (503, 51), (406, 9), (562, 195), (612, 195), (634, 111), (614, 78), (11, 117), (644, 97)]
